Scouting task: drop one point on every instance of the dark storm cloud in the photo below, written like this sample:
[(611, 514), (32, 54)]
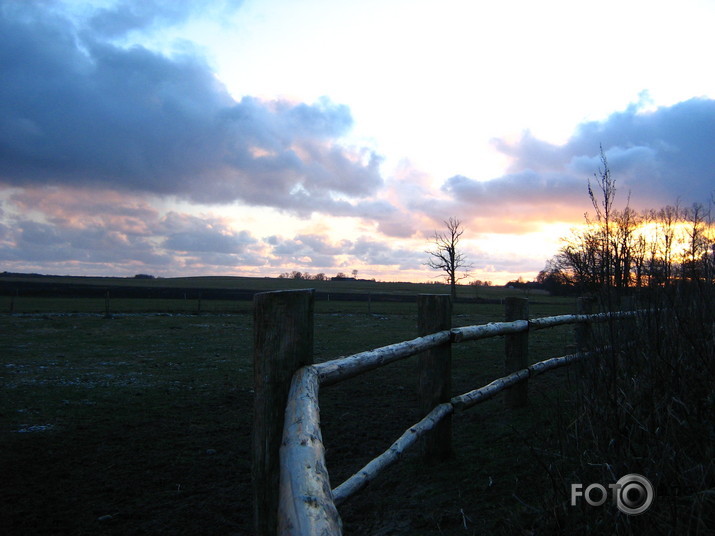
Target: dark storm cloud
[(663, 154), (658, 156), (79, 110)]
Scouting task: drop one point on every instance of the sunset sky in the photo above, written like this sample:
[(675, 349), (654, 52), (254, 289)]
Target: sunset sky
[(255, 137)]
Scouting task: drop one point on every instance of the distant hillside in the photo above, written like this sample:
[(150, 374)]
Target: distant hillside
[(233, 288), (208, 288)]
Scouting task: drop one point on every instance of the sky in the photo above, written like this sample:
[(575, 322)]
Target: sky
[(257, 137)]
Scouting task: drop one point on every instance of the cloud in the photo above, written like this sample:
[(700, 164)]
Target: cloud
[(65, 230), (380, 253), (192, 234), (121, 18), (658, 156), (319, 252), (105, 232), (80, 208), (308, 251), (523, 188), (97, 132), (37, 242), (413, 203), (661, 155), (65, 226), (77, 109)]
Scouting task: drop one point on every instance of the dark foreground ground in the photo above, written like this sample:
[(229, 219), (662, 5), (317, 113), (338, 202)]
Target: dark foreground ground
[(140, 424)]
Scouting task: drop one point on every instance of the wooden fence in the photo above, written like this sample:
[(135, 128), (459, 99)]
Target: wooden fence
[(292, 491)]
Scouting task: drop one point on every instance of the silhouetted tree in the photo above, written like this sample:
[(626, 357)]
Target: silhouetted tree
[(603, 205), (621, 249), (446, 257)]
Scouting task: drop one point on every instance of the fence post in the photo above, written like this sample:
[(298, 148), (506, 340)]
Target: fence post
[(107, 311), (282, 343), (516, 349), (434, 313), (582, 330)]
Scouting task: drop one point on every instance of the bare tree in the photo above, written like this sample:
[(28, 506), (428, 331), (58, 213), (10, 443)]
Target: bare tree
[(603, 206), (579, 259), (446, 257), (697, 245), (625, 246), (669, 218)]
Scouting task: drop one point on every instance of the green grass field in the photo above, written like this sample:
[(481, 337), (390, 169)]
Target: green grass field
[(141, 423)]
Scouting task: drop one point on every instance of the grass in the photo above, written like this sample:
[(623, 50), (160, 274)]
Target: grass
[(141, 423), (257, 283), (649, 408), (137, 418), (248, 283)]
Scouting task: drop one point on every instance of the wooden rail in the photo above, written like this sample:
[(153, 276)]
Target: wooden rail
[(294, 496)]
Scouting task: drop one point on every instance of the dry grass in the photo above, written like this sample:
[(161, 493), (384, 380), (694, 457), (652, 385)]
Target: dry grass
[(648, 408)]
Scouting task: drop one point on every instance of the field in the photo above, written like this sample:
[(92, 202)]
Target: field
[(139, 423), (23, 294)]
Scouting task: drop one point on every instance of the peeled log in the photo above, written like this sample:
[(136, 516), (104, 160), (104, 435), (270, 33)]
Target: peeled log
[(552, 321), (555, 362), (472, 398), (347, 367), (342, 368), (368, 473), (305, 504), (492, 329)]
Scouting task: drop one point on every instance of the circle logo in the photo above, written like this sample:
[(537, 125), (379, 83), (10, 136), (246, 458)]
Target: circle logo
[(634, 494)]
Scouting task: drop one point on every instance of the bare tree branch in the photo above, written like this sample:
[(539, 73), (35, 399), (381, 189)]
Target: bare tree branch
[(446, 257)]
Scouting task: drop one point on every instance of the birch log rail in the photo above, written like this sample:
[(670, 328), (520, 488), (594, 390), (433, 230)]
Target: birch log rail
[(340, 369), (306, 503), (305, 479), (368, 473)]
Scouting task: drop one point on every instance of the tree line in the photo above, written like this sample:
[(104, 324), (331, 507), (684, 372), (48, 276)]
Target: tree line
[(627, 249), (305, 276)]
